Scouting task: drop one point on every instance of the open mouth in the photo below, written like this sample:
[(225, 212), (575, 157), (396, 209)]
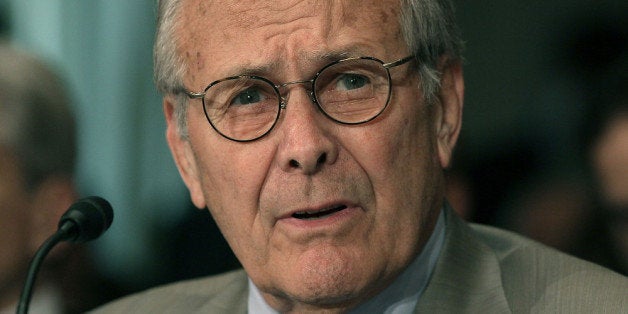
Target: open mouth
[(309, 215)]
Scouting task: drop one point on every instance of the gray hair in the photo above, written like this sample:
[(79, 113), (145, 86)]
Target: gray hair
[(36, 124), (428, 27)]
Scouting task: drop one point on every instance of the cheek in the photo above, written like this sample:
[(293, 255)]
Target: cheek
[(231, 178), (233, 202), (231, 184), (404, 170), (405, 146)]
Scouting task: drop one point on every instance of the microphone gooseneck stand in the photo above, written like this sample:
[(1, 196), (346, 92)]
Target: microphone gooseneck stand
[(85, 220), (62, 234)]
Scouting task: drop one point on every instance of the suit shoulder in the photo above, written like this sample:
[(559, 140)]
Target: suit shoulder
[(537, 278), (217, 294)]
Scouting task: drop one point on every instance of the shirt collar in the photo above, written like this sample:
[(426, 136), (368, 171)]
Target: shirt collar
[(400, 297)]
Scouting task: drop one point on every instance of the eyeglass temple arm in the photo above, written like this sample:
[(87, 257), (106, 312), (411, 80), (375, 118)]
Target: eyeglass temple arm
[(193, 95), (398, 62)]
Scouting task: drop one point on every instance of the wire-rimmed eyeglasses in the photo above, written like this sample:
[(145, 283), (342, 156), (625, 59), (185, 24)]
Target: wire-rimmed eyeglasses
[(244, 108)]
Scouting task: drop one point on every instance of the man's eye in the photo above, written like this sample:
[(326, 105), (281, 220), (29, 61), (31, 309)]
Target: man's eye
[(351, 81), (249, 96)]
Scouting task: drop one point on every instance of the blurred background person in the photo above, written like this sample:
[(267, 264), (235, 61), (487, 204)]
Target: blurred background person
[(605, 145), (37, 158)]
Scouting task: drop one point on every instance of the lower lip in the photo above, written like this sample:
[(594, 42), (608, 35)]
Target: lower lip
[(337, 219)]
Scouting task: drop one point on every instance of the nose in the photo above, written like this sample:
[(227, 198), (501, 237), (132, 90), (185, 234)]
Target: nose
[(307, 143)]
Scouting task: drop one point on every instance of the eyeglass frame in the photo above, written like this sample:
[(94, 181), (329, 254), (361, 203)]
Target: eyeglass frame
[(312, 93)]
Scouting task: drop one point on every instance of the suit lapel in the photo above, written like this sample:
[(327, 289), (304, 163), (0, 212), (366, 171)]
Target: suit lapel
[(467, 276)]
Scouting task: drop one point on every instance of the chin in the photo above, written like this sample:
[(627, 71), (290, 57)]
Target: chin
[(330, 295), (328, 280)]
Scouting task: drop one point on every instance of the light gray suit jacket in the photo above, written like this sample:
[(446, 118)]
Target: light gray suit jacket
[(480, 270)]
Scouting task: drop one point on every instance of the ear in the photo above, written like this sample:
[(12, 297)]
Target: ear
[(183, 154), (50, 200), (448, 117)]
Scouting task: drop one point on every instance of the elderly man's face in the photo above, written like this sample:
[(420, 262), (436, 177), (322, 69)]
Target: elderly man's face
[(375, 188)]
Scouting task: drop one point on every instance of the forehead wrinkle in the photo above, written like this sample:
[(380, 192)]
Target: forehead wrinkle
[(271, 15), (250, 15), (343, 12), (246, 15)]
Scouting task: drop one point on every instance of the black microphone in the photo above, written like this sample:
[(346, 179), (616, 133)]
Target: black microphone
[(85, 220)]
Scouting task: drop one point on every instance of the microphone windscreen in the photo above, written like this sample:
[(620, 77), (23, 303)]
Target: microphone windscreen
[(91, 217)]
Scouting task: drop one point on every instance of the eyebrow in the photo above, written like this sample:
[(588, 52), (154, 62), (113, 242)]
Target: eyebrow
[(320, 59), (252, 69)]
